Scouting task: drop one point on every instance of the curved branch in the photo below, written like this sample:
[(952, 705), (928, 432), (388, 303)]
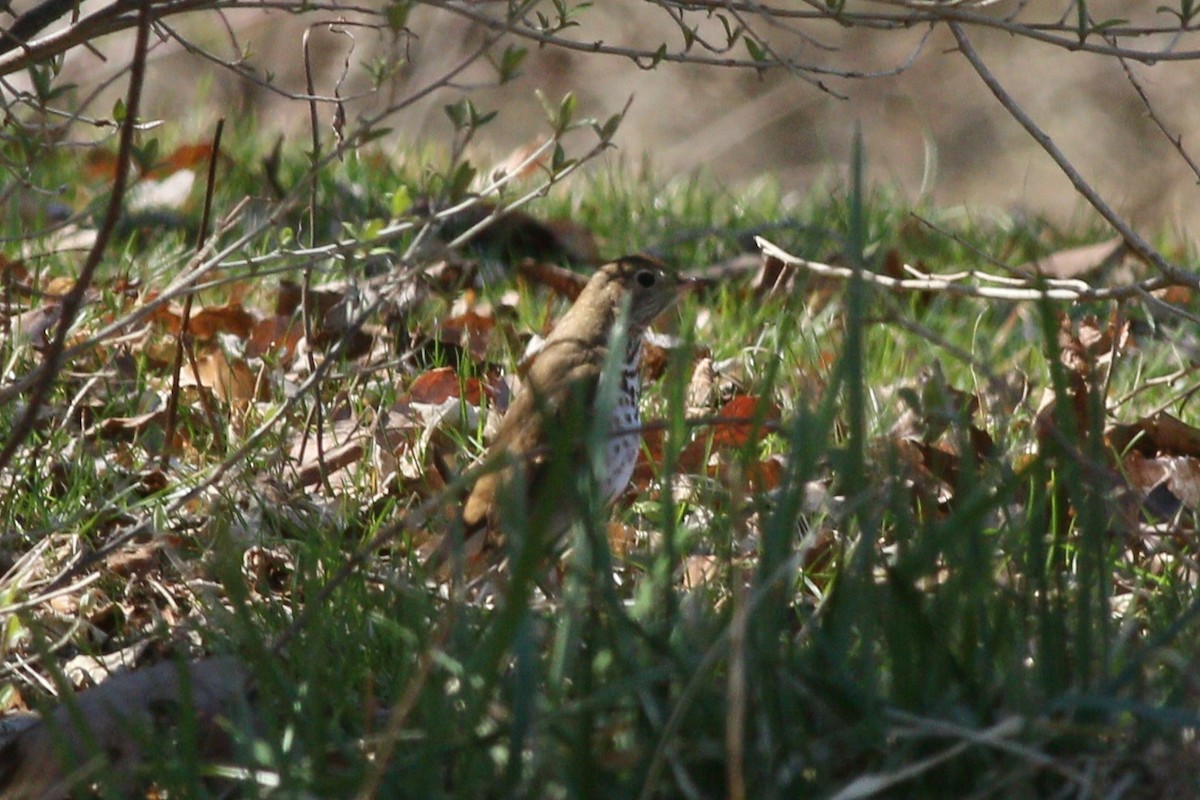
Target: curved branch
[(1172, 273)]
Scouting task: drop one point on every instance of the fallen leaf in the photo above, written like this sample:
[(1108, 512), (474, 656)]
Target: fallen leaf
[(728, 433), (561, 281), (470, 330), (1160, 433), (229, 380), (205, 322), (438, 385), (185, 156), (1076, 262), (277, 334)]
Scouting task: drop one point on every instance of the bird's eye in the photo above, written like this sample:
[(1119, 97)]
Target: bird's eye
[(645, 278)]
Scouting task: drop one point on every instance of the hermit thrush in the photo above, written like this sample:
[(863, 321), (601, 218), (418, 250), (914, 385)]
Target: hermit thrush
[(568, 383)]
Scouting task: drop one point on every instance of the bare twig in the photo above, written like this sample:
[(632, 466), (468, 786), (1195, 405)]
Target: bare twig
[(1172, 273), (184, 339), (969, 283), (1175, 139)]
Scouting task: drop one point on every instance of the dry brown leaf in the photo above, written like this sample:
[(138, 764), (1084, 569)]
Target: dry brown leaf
[(13, 271), (231, 381), (765, 476), (1075, 262), (470, 330), (185, 156), (701, 394), (205, 322), (438, 385), (1160, 433), (728, 433), (277, 333), (560, 281), (622, 539), (1180, 475), (1143, 473)]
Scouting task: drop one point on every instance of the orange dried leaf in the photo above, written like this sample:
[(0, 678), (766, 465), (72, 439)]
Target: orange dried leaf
[(764, 476), (205, 323), (275, 334), (438, 385), (229, 380), (1143, 473), (727, 432), (471, 330), (183, 157), (13, 270), (561, 281)]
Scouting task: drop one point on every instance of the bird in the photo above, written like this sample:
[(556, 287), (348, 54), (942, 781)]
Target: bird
[(557, 400)]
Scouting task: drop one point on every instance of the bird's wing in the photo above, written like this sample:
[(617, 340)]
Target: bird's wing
[(544, 403)]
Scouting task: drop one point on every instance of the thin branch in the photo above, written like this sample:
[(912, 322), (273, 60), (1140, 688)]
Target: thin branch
[(1172, 273), (1175, 139), (968, 283)]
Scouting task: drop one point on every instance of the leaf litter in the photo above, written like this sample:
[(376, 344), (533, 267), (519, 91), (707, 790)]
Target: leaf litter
[(436, 398)]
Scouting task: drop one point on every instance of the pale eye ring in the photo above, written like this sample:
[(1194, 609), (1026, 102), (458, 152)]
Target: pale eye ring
[(645, 278)]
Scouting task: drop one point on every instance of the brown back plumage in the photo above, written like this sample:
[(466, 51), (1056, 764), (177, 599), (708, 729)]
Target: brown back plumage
[(561, 384)]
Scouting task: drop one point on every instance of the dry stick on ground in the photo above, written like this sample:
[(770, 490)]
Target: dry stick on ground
[(1005, 289), (74, 299), (318, 409)]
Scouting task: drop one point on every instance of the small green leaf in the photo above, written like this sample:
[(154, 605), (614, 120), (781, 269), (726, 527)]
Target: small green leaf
[(605, 132), (510, 62), (118, 112), (460, 181), (457, 113), (731, 33), (757, 51), (559, 161), (659, 55), (401, 202), (397, 14), (566, 112)]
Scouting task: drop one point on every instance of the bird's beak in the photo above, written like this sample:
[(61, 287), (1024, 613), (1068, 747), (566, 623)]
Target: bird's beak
[(688, 284)]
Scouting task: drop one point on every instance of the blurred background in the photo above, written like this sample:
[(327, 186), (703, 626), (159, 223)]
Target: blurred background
[(931, 127)]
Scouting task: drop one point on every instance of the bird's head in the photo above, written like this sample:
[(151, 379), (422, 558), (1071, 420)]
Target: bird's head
[(647, 284)]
